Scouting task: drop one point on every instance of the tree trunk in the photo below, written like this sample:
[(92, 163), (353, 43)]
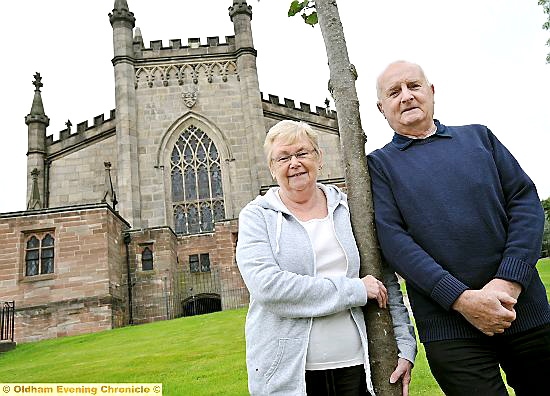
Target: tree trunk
[(382, 345)]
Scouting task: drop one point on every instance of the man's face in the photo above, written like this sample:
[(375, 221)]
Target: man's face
[(406, 98)]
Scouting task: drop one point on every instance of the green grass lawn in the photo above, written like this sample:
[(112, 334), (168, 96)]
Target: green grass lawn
[(544, 270), (199, 355)]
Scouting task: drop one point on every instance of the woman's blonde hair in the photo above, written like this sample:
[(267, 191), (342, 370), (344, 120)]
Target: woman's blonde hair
[(289, 132)]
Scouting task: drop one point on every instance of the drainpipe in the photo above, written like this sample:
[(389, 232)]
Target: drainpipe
[(127, 240), (164, 279), (46, 200)]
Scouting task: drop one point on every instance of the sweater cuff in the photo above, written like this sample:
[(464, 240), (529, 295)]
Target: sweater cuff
[(406, 351), (516, 270), (447, 290), (358, 293)]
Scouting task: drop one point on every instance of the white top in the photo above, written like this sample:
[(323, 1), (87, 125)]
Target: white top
[(334, 340)]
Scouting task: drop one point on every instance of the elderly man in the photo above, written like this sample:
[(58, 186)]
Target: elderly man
[(460, 220)]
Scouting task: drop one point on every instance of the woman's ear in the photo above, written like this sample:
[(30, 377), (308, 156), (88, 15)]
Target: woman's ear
[(320, 155)]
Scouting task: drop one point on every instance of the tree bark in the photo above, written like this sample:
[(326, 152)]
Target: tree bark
[(382, 344)]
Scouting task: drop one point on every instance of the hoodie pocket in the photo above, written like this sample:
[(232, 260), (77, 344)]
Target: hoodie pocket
[(287, 368), (278, 357)]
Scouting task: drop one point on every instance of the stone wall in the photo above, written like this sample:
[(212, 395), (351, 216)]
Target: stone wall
[(77, 297), (217, 112), (161, 293), (77, 176), (88, 290), (153, 291), (224, 277), (234, 292)]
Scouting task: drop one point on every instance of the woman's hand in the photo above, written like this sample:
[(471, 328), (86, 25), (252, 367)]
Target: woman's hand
[(403, 372), (376, 290)]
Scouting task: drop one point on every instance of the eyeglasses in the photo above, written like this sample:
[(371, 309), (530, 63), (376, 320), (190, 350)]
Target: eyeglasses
[(300, 155)]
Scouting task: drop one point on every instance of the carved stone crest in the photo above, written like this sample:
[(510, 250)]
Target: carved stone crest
[(189, 97)]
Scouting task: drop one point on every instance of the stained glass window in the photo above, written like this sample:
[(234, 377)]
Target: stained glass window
[(32, 256), (179, 220), (146, 259), (194, 263), (39, 254), (177, 186), (199, 262), (205, 262), (46, 265), (197, 192)]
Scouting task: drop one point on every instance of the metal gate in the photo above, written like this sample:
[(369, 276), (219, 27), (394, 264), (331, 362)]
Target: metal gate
[(7, 321), (172, 295)]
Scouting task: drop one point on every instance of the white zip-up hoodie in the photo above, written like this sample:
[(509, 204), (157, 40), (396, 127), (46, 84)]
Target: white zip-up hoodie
[(277, 263)]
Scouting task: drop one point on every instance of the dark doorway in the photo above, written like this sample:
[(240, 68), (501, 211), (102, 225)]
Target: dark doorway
[(202, 304)]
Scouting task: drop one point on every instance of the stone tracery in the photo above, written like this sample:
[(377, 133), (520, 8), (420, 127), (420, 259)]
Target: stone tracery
[(147, 76)]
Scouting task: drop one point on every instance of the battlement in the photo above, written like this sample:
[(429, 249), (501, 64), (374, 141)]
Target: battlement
[(176, 47), (99, 121), (304, 107)]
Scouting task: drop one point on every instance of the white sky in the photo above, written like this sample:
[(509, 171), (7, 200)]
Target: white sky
[(486, 59)]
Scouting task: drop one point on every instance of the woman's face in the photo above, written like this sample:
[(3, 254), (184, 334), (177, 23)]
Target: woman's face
[(295, 166)]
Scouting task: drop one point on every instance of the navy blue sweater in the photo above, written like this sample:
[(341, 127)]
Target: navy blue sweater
[(454, 211)]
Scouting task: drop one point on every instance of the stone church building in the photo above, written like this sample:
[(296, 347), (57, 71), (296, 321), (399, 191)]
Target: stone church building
[(133, 217)]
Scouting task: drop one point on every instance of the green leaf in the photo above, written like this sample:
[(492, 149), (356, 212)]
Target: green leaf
[(311, 19), (296, 7)]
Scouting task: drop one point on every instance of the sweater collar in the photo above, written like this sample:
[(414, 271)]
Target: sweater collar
[(403, 142)]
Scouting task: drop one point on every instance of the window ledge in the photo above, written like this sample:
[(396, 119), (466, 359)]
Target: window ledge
[(36, 278)]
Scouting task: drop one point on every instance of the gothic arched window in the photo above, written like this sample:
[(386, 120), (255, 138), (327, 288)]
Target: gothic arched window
[(197, 193), (39, 255), (146, 259)]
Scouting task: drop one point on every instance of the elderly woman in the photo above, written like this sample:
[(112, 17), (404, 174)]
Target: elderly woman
[(305, 331)]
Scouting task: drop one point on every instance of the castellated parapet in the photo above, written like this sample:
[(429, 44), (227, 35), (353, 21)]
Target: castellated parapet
[(70, 138), (74, 164), (305, 107), (193, 49), (321, 116)]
